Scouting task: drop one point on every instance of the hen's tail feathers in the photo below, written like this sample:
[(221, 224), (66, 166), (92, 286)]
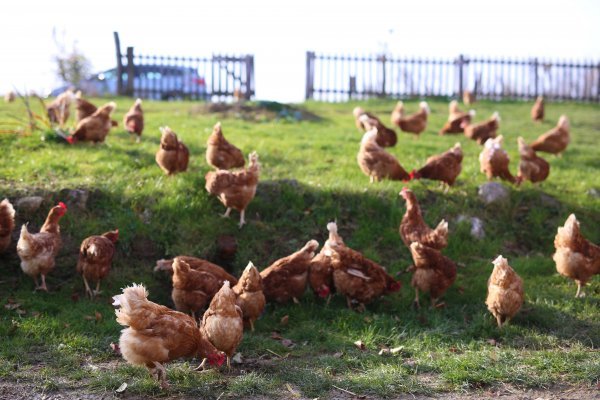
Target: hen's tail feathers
[(7, 208), (164, 265), (132, 298), (442, 228), (310, 248)]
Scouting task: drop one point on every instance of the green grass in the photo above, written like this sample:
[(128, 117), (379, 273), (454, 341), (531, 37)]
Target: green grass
[(309, 177)]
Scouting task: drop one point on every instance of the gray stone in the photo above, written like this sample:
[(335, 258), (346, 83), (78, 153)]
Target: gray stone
[(594, 192), (30, 204), (77, 198), (477, 230), (493, 192)]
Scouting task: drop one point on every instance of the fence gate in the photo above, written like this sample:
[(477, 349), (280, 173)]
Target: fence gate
[(343, 77), (213, 78)]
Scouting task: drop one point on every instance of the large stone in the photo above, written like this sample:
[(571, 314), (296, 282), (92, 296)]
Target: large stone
[(477, 230), (29, 205), (493, 192)]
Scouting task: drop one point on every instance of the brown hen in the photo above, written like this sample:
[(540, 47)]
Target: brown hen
[(172, 156), (456, 118), (493, 161), (37, 251), (556, 140), (537, 111), (433, 272), (157, 334), (133, 121), (414, 229), (377, 163), (505, 292), (576, 257), (320, 274), (59, 109), (94, 128), (220, 153), (95, 259), (531, 167), (443, 167), (7, 223), (482, 131), (365, 121), (222, 324), (414, 123), (286, 278), (250, 296), (235, 189)]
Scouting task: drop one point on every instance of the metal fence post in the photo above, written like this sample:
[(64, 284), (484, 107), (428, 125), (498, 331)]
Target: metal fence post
[(249, 77), (119, 64), (383, 75), (310, 59), (535, 66), (130, 72), (461, 61)]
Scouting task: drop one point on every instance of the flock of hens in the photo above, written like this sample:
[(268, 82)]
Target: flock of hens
[(156, 334)]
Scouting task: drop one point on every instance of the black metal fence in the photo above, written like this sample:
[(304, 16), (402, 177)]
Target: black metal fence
[(343, 77), (214, 78)]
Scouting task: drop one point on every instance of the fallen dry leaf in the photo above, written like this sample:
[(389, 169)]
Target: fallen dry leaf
[(21, 312), (339, 354), (284, 320), (294, 393), (89, 317), (66, 326), (492, 342), (409, 364), (12, 306), (237, 358), (98, 316), (360, 345), (35, 314), (384, 351), (396, 350), (288, 343), (368, 320), (121, 388), (276, 336)]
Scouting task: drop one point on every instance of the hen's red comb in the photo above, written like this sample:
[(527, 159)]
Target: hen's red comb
[(394, 287), (324, 292), (70, 139), (62, 205)]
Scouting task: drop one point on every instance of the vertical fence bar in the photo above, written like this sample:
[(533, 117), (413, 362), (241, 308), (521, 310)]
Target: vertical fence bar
[(130, 72)]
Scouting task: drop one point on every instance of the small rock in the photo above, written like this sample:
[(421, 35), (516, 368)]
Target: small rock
[(477, 230), (493, 192), (594, 192), (30, 204), (77, 198), (226, 247)]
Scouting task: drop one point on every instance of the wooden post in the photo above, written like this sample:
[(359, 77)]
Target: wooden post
[(382, 59), (249, 77), (119, 64), (535, 75), (130, 72), (461, 61), (310, 62)]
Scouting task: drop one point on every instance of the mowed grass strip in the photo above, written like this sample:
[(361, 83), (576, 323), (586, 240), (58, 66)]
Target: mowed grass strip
[(61, 340)]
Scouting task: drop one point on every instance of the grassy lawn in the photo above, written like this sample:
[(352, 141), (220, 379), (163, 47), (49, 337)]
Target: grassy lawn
[(61, 340)]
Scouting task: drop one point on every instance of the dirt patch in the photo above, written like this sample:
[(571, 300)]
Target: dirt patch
[(257, 111)]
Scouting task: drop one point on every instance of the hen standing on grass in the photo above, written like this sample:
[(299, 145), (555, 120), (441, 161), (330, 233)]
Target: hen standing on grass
[(537, 111), (377, 163), (195, 282), (576, 257), (415, 123), (482, 131), (531, 167), (37, 251), (505, 292), (59, 109), (83, 107), (365, 121), (7, 224), (222, 324), (433, 272), (250, 296), (95, 259), (235, 189), (493, 161), (456, 118), (157, 334), (172, 155), (221, 154), (414, 229), (94, 128), (556, 140), (443, 167), (133, 121), (286, 278)]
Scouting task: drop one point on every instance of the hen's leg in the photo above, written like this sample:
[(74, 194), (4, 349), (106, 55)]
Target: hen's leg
[(44, 287), (201, 366), (252, 325), (161, 373), (295, 300), (349, 302), (416, 304), (242, 219), (580, 292), (88, 291), (37, 283), (371, 179), (499, 320), (97, 291), (226, 215)]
